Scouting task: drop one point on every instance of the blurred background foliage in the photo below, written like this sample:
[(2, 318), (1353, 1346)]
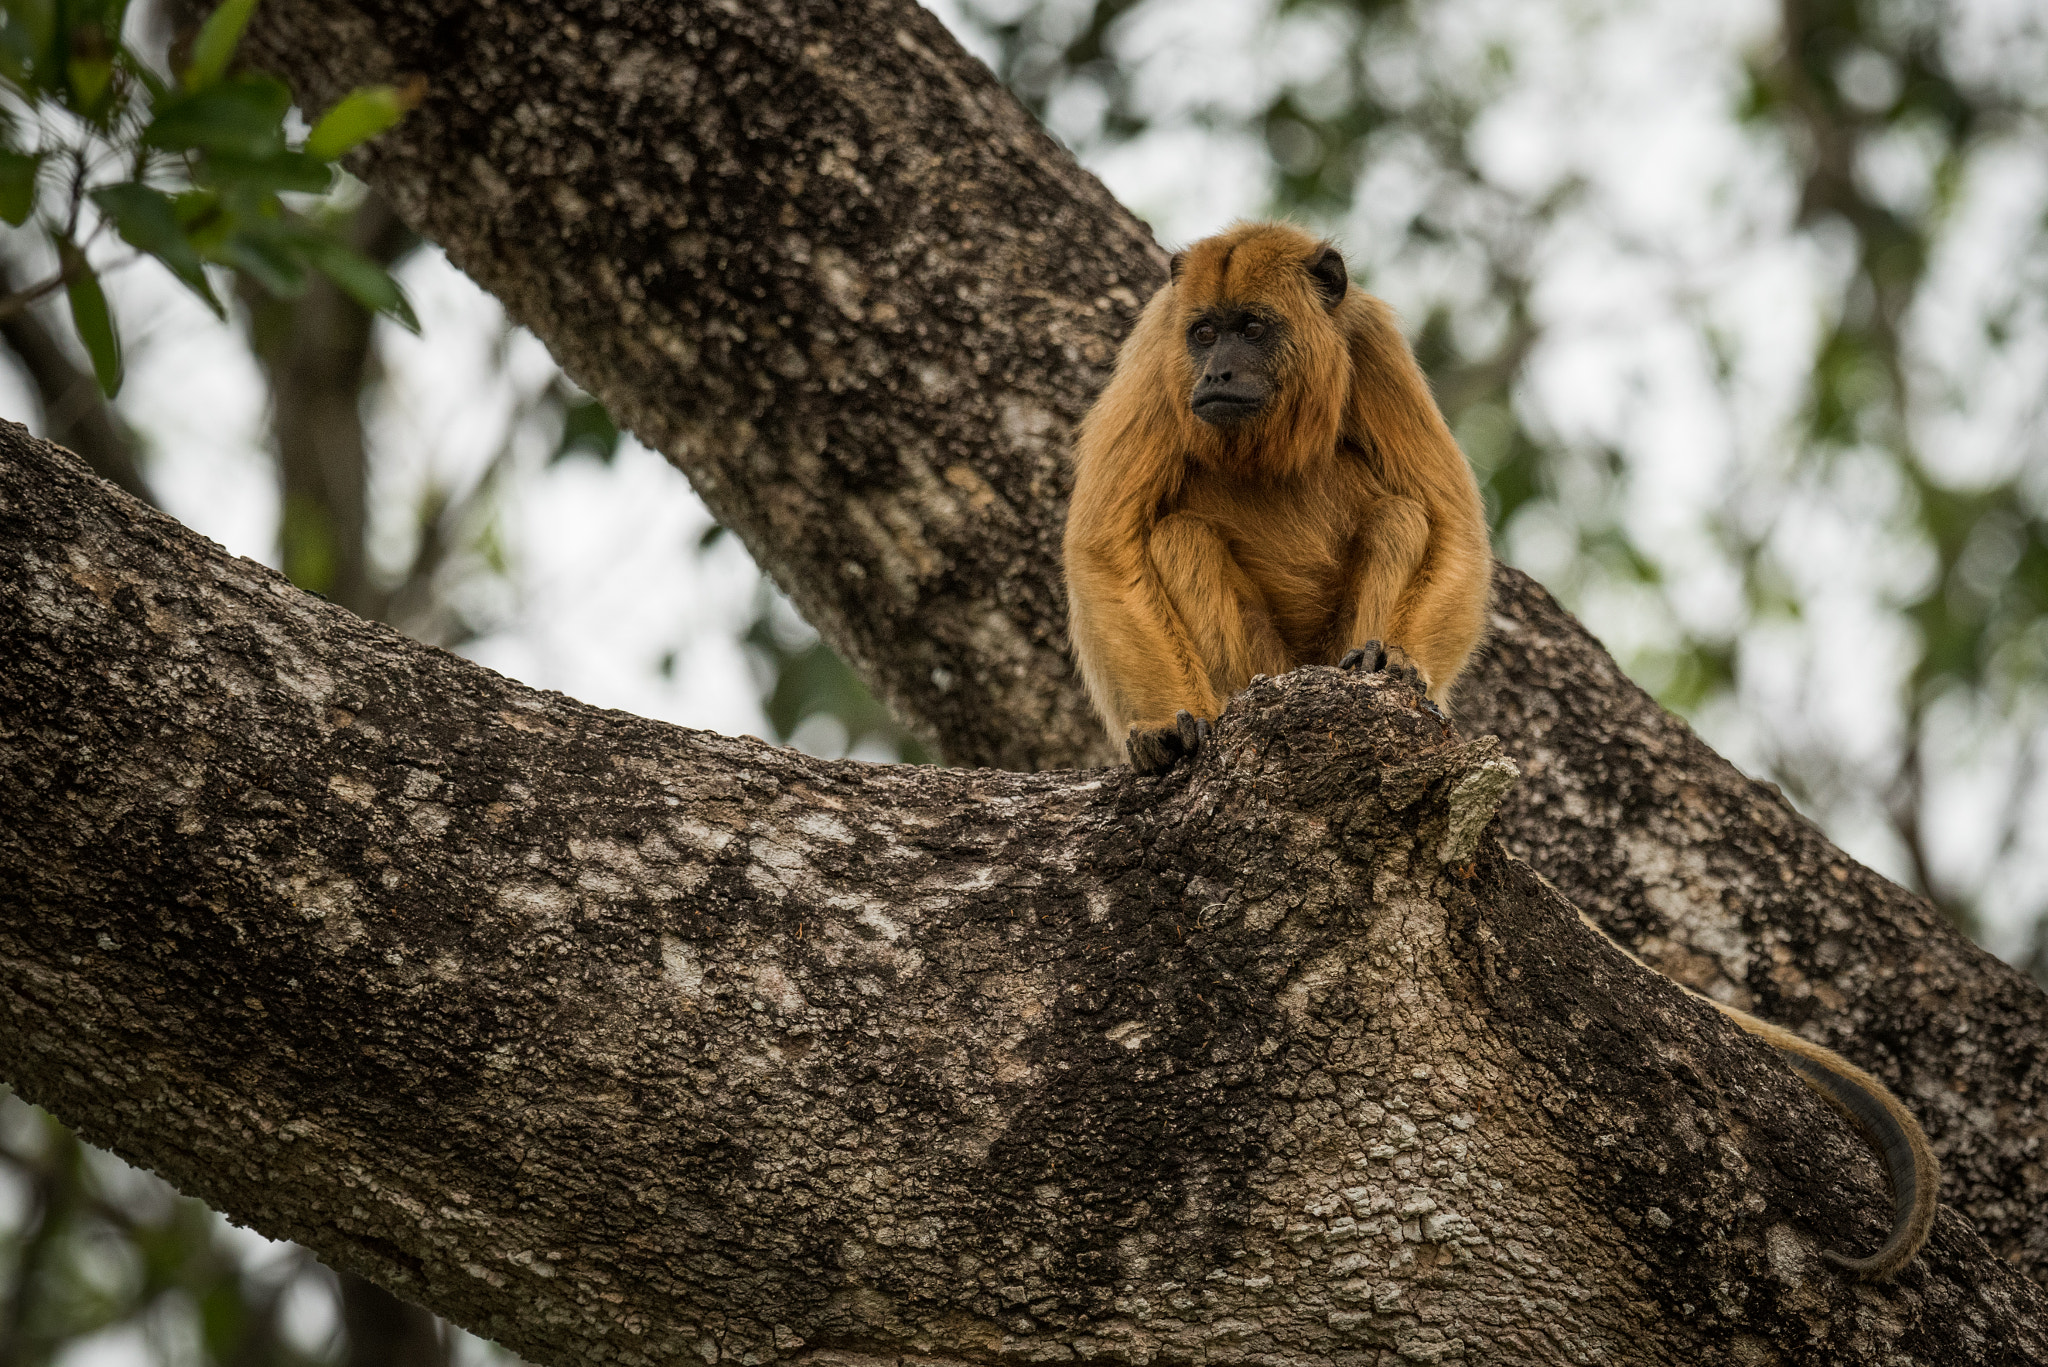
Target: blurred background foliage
[(1758, 392)]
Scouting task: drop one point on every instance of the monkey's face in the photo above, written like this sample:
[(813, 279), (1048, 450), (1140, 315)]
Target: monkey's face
[(1256, 305), (1236, 355)]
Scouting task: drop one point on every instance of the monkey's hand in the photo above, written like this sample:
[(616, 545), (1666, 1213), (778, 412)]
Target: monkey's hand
[(1154, 750), (1370, 657), (1374, 658)]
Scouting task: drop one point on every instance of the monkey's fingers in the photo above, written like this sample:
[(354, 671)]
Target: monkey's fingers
[(1370, 657), (1154, 750), (1194, 730), (1405, 670)]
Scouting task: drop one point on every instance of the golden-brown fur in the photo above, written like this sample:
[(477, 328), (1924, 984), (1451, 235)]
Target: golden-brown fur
[(1198, 556)]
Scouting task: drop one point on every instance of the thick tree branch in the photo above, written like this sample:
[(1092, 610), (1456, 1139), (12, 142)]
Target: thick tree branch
[(1720, 884), (813, 253), (818, 257), (620, 1041)]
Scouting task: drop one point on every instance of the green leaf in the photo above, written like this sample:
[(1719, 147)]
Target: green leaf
[(148, 219), (587, 429), (18, 185), (364, 281), (361, 115), (215, 46), (204, 218), (270, 263), (243, 117), (268, 175), (89, 315)]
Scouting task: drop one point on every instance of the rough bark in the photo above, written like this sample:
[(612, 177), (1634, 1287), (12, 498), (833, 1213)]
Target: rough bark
[(815, 255), (618, 1041), (1718, 882)]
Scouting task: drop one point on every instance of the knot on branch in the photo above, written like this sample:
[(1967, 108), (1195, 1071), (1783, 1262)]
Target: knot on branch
[(1366, 750)]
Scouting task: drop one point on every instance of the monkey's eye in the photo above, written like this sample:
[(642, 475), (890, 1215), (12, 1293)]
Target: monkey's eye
[(1205, 335), (1254, 331)]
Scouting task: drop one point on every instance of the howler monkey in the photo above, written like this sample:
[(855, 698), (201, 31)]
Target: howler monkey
[(1266, 483)]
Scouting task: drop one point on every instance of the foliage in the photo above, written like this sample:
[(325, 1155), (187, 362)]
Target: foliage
[(189, 167)]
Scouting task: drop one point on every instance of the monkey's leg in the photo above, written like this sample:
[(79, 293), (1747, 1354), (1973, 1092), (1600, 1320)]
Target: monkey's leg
[(1387, 549), (1225, 614), (1139, 656)]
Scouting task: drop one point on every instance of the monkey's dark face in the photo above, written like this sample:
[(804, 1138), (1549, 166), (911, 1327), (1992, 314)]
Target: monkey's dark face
[(1236, 354)]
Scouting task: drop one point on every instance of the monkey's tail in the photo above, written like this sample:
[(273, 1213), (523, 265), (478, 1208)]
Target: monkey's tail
[(1868, 1105), (1892, 1131)]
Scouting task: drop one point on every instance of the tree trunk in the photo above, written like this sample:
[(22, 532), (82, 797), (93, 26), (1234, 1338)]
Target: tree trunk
[(819, 257), (814, 254), (1716, 881), (618, 1041)]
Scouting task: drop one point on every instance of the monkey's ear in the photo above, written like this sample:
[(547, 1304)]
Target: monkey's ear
[(1331, 279), (1174, 265)]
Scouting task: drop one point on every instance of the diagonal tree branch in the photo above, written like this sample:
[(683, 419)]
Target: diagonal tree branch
[(1721, 885), (814, 254), (614, 1040), (817, 256)]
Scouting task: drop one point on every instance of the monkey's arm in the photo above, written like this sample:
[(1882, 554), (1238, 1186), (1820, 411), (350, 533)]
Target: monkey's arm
[(1142, 668), (1439, 612), (1386, 551), (1135, 652)]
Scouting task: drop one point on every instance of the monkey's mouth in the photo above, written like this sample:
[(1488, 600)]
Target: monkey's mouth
[(1226, 409)]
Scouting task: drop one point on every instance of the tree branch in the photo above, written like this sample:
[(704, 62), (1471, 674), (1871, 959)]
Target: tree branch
[(820, 259), (1720, 884), (614, 1040)]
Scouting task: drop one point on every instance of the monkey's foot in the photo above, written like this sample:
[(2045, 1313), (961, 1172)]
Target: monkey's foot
[(1154, 750)]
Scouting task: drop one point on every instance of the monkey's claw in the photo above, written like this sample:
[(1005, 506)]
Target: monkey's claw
[(1154, 750), (1405, 670), (1370, 657)]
